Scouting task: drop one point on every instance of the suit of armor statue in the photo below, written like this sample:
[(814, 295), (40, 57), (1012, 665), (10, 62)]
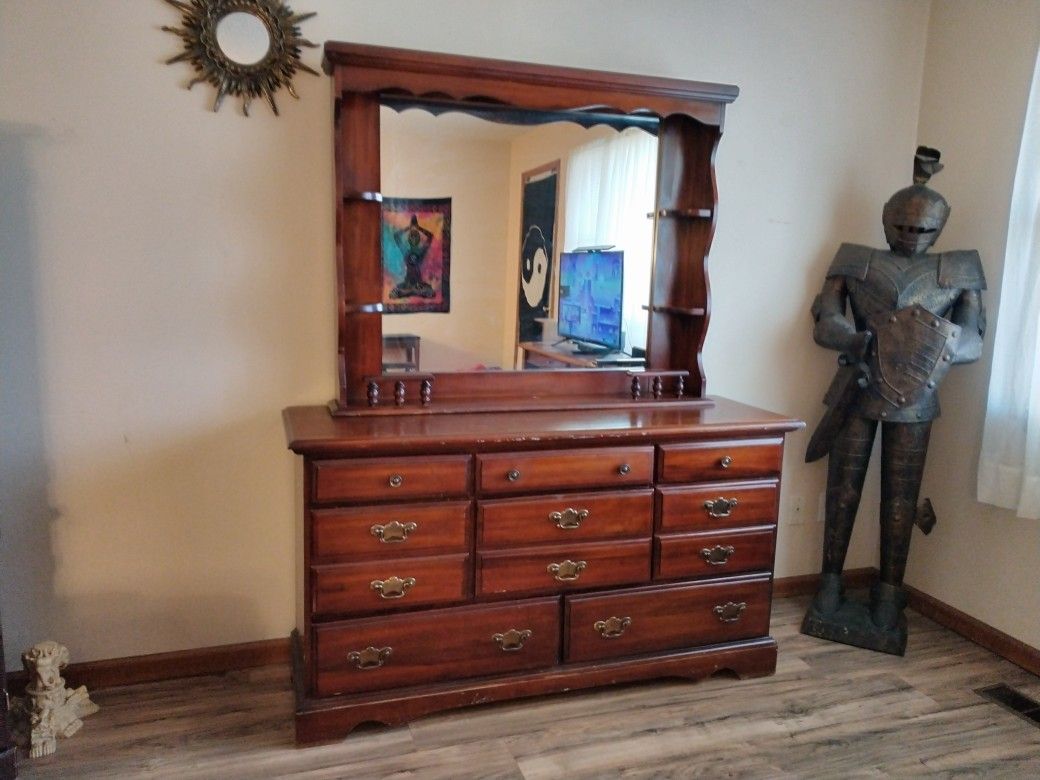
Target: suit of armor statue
[(913, 316)]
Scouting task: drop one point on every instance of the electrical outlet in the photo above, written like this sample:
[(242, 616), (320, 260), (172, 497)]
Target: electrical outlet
[(794, 510)]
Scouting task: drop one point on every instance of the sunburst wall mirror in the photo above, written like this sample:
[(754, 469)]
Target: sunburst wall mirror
[(244, 48)]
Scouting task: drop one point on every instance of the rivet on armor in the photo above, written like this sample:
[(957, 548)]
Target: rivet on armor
[(902, 399), (946, 358), (884, 414), (931, 383), (893, 318)]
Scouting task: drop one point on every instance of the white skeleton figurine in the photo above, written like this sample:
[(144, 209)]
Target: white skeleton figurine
[(49, 709)]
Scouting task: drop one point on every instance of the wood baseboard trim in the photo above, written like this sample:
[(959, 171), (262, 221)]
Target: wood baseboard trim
[(248, 655), (167, 666), (973, 629), (804, 584)]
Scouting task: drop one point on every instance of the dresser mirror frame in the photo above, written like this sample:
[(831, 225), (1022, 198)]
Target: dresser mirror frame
[(687, 117)]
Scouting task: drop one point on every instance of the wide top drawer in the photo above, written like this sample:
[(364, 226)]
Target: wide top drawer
[(391, 479), (713, 460), (523, 472)]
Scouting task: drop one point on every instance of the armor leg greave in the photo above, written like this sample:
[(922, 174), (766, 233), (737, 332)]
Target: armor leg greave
[(903, 450), (846, 471)]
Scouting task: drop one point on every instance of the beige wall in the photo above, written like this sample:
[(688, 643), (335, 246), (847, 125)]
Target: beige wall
[(981, 559), (423, 156), (168, 276)]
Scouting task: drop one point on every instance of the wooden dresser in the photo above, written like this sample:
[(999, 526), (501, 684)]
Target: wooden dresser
[(469, 537), (458, 559)]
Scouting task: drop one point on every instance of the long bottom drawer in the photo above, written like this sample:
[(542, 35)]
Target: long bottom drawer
[(401, 650), (655, 619)]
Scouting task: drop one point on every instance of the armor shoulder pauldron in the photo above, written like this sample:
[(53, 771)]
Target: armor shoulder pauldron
[(961, 269), (851, 260)]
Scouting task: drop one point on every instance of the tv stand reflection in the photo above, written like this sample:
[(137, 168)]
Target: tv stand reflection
[(539, 354)]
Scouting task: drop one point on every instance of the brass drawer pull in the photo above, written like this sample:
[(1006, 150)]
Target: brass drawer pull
[(512, 640), (393, 532), (566, 571), (396, 481), (513, 475), (624, 469), (370, 657), (726, 461), (720, 507), (394, 587), (729, 612), (569, 519), (612, 627), (717, 555)]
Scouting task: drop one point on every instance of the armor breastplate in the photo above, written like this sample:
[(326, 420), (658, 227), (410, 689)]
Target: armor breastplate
[(905, 303)]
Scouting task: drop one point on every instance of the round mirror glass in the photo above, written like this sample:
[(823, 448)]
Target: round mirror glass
[(243, 38)]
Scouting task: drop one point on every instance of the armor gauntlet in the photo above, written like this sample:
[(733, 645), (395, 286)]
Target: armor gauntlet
[(833, 329)]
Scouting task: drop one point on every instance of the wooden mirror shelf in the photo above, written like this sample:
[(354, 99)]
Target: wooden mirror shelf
[(687, 118), (475, 537)]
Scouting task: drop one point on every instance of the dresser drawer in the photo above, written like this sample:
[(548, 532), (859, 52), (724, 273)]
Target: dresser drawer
[(401, 583), (719, 505), (390, 531), (514, 522), (443, 644), (711, 553), (670, 617), (391, 479), (559, 568), (737, 459), (524, 472)]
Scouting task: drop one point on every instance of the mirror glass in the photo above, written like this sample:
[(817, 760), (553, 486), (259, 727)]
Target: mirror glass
[(243, 38), (468, 205)]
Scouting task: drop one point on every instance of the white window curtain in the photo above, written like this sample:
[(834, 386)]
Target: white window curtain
[(1009, 465), (608, 193)]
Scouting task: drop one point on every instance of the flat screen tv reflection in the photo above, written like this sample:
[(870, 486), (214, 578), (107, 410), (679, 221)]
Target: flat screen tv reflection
[(591, 287)]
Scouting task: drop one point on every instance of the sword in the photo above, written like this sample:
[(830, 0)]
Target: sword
[(852, 377)]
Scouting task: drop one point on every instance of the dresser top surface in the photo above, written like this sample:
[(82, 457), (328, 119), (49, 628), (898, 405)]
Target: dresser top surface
[(312, 430)]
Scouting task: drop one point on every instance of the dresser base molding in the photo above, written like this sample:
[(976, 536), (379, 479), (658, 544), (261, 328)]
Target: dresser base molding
[(320, 720)]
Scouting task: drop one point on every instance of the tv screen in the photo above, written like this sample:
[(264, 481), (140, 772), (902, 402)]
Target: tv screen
[(590, 297)]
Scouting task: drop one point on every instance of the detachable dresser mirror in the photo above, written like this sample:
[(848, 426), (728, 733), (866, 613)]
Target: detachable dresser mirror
[(685, 118)]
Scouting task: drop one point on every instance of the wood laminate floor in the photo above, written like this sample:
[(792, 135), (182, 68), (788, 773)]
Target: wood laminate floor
[(830, 711)]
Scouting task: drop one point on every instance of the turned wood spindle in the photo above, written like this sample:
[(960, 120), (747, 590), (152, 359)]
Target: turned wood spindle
[(426, 392), (373, 394), (399, 392)]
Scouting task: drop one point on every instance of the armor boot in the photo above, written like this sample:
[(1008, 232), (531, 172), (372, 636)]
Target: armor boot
[(886, 609)]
